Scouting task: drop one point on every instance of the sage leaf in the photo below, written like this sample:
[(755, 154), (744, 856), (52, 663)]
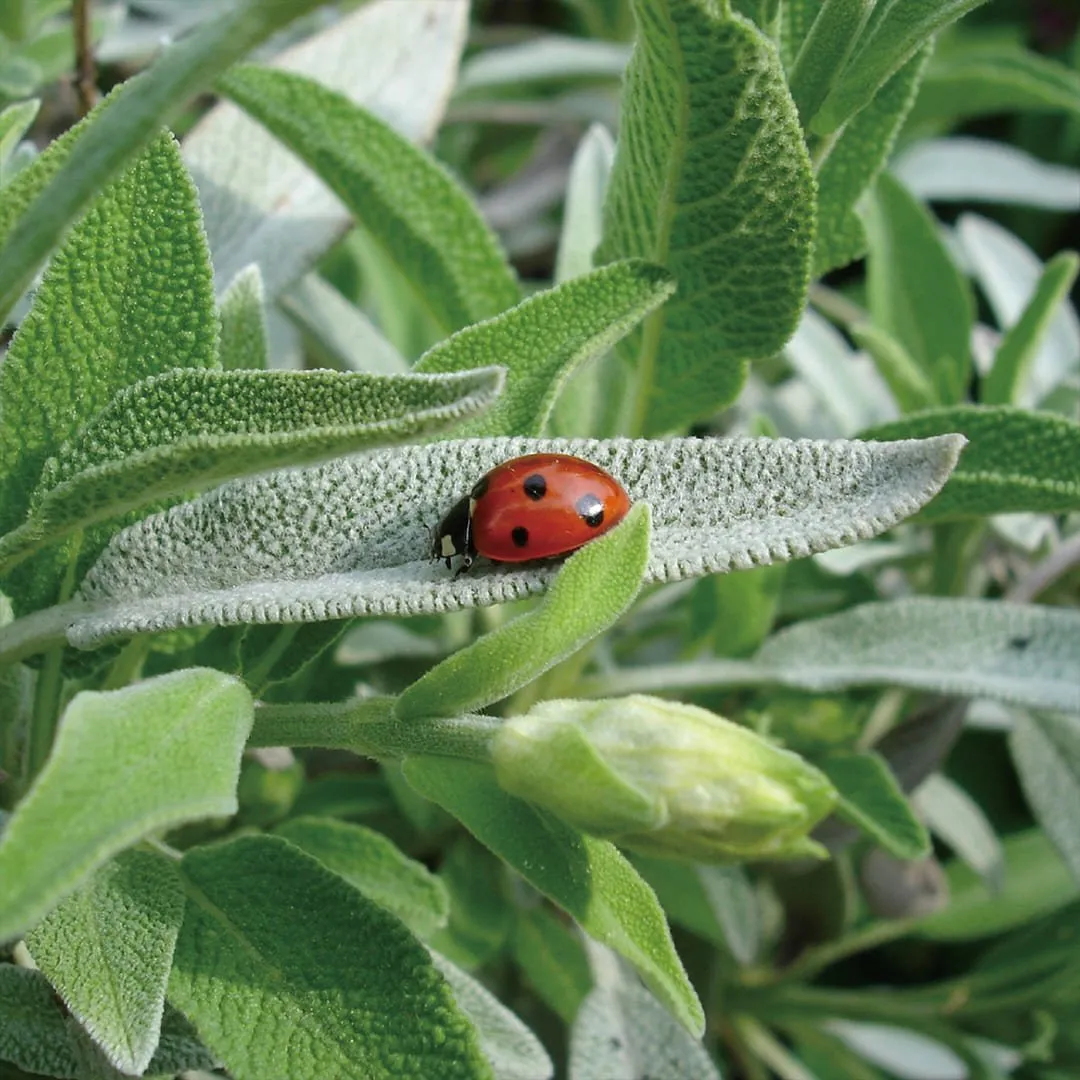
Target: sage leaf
[(117, 132), (351, 994), (713, 181), (354, 536), (14, 121), (1017, 460), (107, 950), (586, 877), (402, 196), (243, 341), (191, 428), (595, 586), (545, 338), (171, 744), (954, 816)]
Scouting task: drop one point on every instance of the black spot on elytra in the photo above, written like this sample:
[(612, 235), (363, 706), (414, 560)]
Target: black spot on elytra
[(520, 536), (535, 486), (591, 510), (479, 488)]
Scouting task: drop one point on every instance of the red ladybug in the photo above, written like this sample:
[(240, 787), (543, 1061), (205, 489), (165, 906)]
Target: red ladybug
[(533, 507)]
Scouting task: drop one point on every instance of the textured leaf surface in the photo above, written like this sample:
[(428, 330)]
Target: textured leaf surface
[(545, 338), (955, 817), (402, 197), (107, 950), (262, 204), (274, 992), (354, 536), (189, 429), (1017, 653), (586, 877), (1046, 751), (243, 322), (857, 156), (370, 862), (1016, 461), (595, 586), (116, 133), (711, 180), (125, 764), (871, 798), (916, 292)]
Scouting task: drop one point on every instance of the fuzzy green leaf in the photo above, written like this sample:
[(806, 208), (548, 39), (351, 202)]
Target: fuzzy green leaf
[(713, 181), (1046, 751), (125, 764), (191, 428), (916, 292), (370, 862), (871, 799), (1017, 461), (107, 950), (354, 536), (274, 992), (147, 306), (550, 955), (910, 385), (586, 877), (243, 323), (856, 158), (402, 197), (113, 135), (14, 121), (896, 31), (595, 586), (545, 338), (1022, 339)]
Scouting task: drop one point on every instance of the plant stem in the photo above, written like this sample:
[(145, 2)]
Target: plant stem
[(259, 675), (837, 307), (126, 667), (85, 67), (953, 547), (870, 936), (765, 1046)]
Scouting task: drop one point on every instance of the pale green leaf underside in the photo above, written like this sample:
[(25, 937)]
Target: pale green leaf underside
[(276, 992), (545, 338), (353, 537), (107, 949), (1016, 653), (192, 428), (713, 181), (125, 764), (401, 195)]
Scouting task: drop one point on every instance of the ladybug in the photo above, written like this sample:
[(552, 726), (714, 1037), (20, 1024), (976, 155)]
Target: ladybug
[(535, 507)]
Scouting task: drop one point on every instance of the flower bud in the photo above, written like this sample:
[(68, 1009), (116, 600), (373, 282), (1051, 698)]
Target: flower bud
[(663, 778)]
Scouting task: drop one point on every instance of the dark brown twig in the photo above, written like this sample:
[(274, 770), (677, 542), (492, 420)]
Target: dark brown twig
[(85, 67)]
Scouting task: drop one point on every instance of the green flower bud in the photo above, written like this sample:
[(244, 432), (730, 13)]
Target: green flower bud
[(664, 778)]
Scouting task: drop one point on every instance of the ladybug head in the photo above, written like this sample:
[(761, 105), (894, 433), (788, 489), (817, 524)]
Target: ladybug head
[(453, 536)]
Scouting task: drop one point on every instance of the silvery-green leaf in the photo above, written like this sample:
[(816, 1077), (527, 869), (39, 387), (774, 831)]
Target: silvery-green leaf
[(957, 818), (354, 536), (14, 121), (543, 58), (264, 206), (243, 322)]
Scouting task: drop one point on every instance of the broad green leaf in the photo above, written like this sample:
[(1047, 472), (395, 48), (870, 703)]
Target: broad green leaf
[(595, 586), (955, 817), (623, 1031), (824, 51), (1035, 882), (1046, 752), (871, 799), (14, 121), (354, 536), (853, 163), (987, 79), (401, 196), (243, 322), (543, 340), (261, 203), (115, 134), (171, 745), (552, 959), (586, 877), (146, 307), (552, 57), (1017, 653), (896, 31), (1022, 339), (107, 950), (186, 429), (909, 383), (916, 293), (713, 181), (1016, 461), (376, 866), (273, 991), (511, 1048)]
